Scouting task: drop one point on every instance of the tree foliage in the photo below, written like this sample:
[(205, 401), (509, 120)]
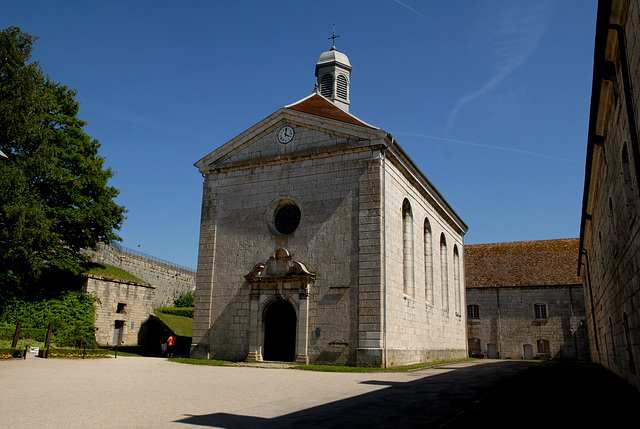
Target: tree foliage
[(185, 300), (54, 197), (72, 316)]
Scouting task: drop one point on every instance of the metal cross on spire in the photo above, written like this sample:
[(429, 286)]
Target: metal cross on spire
[(334, 37)]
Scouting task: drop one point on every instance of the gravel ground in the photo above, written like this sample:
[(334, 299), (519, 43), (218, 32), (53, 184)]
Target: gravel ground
[(138, 392)]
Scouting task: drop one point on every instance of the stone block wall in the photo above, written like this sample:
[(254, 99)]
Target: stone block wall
[(425, 321), (123, 305), (350, 237), (236, 234), (610, 230), (507, 321)]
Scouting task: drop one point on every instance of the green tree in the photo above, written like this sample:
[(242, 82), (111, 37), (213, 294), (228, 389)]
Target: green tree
[(54, 196)]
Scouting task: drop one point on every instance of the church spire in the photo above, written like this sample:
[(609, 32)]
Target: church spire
[(333, 71)]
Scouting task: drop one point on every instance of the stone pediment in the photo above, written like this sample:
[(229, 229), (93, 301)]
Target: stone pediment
[(317, 127), (279, 266)]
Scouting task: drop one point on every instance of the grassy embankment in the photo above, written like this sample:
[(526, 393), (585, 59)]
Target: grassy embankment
[(109, 272)]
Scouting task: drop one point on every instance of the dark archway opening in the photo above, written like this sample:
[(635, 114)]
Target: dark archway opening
[(280, 332)]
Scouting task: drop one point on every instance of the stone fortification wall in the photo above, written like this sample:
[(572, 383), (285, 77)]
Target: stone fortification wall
[(171, 281)]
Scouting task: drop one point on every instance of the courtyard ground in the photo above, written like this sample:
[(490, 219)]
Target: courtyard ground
[(138, 392)]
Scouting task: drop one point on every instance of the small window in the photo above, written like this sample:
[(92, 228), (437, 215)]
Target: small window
[(122, 308), (473, 311), (540, 311), (543, 347)]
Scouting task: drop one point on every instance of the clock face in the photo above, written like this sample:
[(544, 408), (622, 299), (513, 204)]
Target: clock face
[(285, 135)]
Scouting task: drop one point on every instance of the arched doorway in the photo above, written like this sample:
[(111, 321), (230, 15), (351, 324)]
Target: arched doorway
[(280, 332)]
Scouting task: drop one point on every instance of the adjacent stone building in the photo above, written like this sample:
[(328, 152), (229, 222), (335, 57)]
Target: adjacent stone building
[(610, 227), (525, 301), (122, 311), (321, 241)]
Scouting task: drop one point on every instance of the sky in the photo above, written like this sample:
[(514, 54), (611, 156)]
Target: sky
[(490, 98)]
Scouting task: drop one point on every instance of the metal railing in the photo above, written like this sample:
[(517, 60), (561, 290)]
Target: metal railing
[(170, 264)]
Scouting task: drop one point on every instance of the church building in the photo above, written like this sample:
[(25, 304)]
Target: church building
[(321, 241)]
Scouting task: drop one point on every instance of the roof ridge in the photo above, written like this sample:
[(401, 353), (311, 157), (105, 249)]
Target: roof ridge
[(511, 243), (308, 105)]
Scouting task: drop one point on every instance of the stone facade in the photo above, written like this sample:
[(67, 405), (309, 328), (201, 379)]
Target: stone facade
[(123, 310), (507, 327), (321, 237), (525, 301), (171, 281), (610, 226)]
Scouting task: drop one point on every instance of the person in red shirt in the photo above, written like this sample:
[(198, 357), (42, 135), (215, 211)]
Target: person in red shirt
[(171, 342)]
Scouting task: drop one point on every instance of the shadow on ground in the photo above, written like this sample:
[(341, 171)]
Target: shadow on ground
[(514, 394)]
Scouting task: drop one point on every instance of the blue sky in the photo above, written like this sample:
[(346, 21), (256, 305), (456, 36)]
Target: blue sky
[(490, 98)]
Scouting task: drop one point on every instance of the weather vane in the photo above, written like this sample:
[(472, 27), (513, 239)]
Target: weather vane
[(334, 37)]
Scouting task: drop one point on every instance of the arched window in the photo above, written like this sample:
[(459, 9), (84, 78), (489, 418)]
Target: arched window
[(407, 247), (428, 262), (612, 220), (456, 279), (627, 334), (613, 342), (628, 181), (326, 85), (444, 272), (601, 253)]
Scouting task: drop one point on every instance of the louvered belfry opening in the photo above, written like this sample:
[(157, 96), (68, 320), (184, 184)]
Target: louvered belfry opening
[(326, 85), (333, 71), (342, 86)]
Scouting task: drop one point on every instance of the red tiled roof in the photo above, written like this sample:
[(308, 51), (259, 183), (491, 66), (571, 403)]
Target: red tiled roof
[(320, 106), (523, 263)]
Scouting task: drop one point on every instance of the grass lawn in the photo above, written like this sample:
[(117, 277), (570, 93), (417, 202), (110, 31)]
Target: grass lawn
[(182, 326), (321, 368), (110, 272), (192, 361), (336, 368), (141, 350)]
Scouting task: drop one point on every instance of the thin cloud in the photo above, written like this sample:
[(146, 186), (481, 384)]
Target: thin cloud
[(488, 146), (416, 12), (514, 37)]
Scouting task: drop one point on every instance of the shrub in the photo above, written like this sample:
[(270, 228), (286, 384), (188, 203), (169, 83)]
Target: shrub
[(75, 353), (7, 332), (184, 312), (185, 300), (11, 353), (72, 316)]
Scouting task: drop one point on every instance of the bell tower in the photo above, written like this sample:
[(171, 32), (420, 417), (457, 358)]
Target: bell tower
[(333, 71)]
